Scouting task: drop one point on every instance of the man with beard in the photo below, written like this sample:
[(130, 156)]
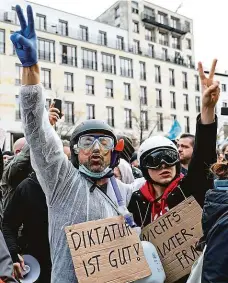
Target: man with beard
[(76, 192), (185, 147)]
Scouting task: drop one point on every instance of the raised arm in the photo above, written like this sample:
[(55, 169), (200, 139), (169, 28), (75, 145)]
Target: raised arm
[(47, 156), (198, 179)]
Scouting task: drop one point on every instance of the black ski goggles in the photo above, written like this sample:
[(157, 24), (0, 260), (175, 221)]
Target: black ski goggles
[(154, 160)]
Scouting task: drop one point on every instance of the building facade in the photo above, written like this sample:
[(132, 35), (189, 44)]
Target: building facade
[(133, 67)]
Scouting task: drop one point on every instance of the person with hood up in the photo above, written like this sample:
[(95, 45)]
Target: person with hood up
[(215, 228), (77, 191), (123, 172), (158, 156)]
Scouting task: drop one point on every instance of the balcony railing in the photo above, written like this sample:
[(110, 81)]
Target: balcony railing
[(71, 61), (165, 23), (164, 42), (109, 92), (47, 85), (126, 72), (108, 68), (46, 56), (68, 88), (176, 46), (87, 64), (150, 38)]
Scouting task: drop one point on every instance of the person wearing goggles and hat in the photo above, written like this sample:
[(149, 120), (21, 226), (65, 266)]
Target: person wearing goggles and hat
[(79, 190)]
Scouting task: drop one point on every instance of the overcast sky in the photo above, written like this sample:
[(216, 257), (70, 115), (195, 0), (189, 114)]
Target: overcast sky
[(210, 22)]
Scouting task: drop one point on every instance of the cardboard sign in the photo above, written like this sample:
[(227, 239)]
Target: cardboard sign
[(106, 250), (175, 236)]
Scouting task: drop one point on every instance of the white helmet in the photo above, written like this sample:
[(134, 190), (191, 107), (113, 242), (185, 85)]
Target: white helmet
[(154, 143)]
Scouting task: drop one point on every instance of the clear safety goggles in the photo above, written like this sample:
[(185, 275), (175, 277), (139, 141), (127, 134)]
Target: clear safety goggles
[(155, 159), (88, 141)]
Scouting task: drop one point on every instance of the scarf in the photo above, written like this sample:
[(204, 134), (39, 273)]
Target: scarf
[(149, 193)]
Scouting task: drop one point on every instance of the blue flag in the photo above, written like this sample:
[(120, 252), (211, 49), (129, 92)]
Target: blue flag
[(174, 131)]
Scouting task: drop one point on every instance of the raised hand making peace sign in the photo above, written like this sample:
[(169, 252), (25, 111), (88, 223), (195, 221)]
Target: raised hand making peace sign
[(210, 88), (25, 40)]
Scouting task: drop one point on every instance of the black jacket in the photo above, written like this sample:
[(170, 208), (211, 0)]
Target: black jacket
[(195, 183), (215, 228), (28, 207)]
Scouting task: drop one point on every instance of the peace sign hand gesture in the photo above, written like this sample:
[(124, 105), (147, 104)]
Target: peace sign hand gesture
[(210, 88), (210, 93), (25, 40)]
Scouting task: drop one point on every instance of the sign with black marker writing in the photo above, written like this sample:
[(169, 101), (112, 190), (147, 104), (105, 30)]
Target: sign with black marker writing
[(175, 235), (106, 250)]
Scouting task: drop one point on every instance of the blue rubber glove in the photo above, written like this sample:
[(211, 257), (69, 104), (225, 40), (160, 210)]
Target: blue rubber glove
[(25, 40)]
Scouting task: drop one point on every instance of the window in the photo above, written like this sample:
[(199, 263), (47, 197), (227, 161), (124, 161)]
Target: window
[(84, 33), (14, 16), (164, 54), (171, 77), (158, 98), (173, 99), (186, 105), (197, 86), (188, 43), (174, 117), (63, 28), (18, 108), (224, 87), (187, 126), (126, 69), (143, 95), (41, 22), (90, 109), (135, 27), (142, 70), (108, 63), (151, 50), (89, 59), (128, 118), (2, 41), (163, 38), (144, 120), (136, 46), (69, 112), (185, 80), (159, 122), (150, 34), (110, 112), (69, 55), (46, 50), (162, 18), (149, 13), (176, 42), (120, 43), (18, 74), (48, 103), (102, 38), (117, 12), (175, 23), (197, 104), (135, 7), (127, 91), (157, 74), (89, 85), (109, 88), (46, 78), (68, 81), (187, 26), (224, 104)]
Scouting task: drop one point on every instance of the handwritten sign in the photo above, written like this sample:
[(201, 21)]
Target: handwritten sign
[(106, 250), (175, 236)]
